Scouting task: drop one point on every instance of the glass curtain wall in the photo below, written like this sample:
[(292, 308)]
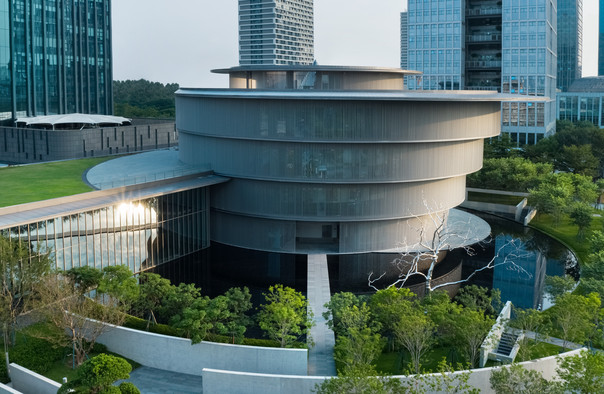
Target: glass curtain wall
[(55, 57), (140, 234)]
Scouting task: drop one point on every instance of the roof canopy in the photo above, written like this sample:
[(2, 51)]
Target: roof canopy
[(587, 85), (72, 121)]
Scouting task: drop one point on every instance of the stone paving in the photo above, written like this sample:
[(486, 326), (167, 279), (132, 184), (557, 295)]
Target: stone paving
[(157, 381), (320, 357)]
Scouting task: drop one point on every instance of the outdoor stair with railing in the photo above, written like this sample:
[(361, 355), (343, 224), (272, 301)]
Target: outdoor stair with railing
[(506, 343)]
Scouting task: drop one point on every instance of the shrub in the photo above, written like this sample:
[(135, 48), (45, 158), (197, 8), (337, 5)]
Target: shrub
[(98, 348), (98, 374), (36, 354), (163, 329), (129, 388), (141, 324), (3, 373)]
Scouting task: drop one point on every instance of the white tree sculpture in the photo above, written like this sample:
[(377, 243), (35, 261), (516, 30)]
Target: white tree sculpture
[(436, 236)]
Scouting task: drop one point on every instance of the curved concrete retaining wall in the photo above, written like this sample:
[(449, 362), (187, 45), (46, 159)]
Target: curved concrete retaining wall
[(179, 355), (4, 389), (26, 381), (223, 381)]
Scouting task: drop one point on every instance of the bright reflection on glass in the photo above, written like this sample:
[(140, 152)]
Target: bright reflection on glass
[(139, 234)]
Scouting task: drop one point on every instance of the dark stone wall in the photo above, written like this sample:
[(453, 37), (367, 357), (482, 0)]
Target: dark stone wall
[(22, 145)]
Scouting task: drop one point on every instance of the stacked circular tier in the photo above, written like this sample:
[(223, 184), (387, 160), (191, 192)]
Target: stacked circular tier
[(332, 159)]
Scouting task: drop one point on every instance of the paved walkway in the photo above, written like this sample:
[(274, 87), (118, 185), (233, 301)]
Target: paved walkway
[(320, 358), (157, 381), (550, 340)]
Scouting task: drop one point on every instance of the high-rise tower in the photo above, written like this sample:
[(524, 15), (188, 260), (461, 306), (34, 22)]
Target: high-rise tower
[(276, 32), (55, 57), (508, 46), (601, 40), (404, 41), (570, 42)]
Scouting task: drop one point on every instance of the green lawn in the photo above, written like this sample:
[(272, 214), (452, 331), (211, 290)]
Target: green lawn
[(566, 232), (494, 198), (38, 182), (397, 363), (539, 350)]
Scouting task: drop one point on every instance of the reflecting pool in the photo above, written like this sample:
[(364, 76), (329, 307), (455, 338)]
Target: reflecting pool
[(532, 256)]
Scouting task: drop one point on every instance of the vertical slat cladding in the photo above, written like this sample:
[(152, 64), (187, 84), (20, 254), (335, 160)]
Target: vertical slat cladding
[(365, 165)]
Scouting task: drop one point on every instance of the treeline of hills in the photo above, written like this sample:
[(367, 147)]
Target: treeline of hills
[(144, 99)]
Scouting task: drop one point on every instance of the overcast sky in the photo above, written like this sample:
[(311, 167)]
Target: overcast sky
[(182, 40)]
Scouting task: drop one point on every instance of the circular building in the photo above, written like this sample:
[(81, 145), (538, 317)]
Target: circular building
[(329, 159)]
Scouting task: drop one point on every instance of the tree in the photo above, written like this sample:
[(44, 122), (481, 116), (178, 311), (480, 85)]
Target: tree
[(84, 279), (578, 159), (367, 381), (118, 283), (21, 269), (339, 305), (528, 320), (359, 381), (69, 311), (144, 99), (552, 196), (501, 146), (581, 216), (224, 314), (415, 332), (517, 380), (583, 373), (473, 326), (98, 374), (596, 241), (443, 382), (576, 316), (387, 305), (510, 173), (238, 303), (556, 286), (358, 342), (359, 348), (152, 290), (480, 299), (444, 314), (286, 316), (195, 320), (174, 300)]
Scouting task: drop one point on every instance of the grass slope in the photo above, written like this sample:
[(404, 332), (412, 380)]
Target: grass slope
[(566, 232), (43, 181)]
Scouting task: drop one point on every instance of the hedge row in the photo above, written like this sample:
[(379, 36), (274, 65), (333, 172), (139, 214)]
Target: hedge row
[(32, 353), (164, 329)]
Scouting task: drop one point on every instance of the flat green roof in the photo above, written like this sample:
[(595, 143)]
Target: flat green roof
[(36, 182)]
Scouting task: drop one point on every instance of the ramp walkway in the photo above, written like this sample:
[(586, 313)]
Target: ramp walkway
[(320, 358)]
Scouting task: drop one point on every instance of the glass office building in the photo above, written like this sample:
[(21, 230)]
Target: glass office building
[(276, 32), (570, 42), (507, 46), (601, 40), (584, 101), (55, 57)]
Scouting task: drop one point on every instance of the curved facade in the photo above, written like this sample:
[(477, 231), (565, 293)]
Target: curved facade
[(350, 170)]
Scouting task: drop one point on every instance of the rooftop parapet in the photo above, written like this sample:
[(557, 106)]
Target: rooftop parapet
[(316, 77)]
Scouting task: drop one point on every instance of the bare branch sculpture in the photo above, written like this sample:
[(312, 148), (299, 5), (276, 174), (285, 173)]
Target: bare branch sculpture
[(435, 237)]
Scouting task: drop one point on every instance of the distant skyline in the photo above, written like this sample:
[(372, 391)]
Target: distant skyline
[(182, 40)]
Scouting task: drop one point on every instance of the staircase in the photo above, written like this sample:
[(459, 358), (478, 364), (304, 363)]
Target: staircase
[(506, 343)]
